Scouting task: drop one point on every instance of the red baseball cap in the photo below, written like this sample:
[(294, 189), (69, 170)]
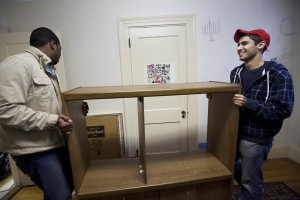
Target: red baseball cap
[(260, 32)]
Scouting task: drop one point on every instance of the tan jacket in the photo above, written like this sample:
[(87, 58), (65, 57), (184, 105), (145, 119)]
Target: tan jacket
[(29, 104)]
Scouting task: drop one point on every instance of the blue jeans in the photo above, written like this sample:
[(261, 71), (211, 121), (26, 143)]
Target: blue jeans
[(50, 171), (248, 169)]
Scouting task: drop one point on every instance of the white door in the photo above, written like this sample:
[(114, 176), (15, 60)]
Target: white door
[(154, 48), (14, 43), (160, 40)]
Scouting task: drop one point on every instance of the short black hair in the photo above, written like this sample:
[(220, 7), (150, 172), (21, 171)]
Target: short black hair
[(41, 36), (255, 38)]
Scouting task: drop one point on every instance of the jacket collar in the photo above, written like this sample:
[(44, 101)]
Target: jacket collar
[(42, 58)]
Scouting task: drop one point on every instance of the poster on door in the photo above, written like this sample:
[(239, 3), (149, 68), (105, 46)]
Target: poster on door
[(159, 73)]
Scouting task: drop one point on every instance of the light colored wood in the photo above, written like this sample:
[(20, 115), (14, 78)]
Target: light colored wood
[(121, 176), (177, 169), (275, 170), (111, 177), (222, 128), (78, 142), (91, 180), (285, 170), (128, 91), (30, 193), (5, 180)]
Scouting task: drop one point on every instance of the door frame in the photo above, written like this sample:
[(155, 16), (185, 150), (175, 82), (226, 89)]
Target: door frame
[(124, 24)]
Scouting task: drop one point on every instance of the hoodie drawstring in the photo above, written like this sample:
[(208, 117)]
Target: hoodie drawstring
[(268, 86), (238, 72)]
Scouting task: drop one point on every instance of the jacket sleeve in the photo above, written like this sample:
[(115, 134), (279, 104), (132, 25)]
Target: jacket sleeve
[(280, 102), (15, 81)]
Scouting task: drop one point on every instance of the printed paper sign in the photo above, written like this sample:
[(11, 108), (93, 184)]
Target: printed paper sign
[(159, 73)]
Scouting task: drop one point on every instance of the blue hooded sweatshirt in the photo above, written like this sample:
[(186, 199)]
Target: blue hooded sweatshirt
[(270, 99)]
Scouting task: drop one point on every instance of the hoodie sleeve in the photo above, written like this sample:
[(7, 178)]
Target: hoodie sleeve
[(15, 80)]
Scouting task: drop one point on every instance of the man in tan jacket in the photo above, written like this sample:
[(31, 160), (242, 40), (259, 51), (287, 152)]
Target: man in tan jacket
[(32, 126)]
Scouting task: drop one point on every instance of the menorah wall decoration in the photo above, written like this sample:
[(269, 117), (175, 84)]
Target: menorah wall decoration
[(211, 28)]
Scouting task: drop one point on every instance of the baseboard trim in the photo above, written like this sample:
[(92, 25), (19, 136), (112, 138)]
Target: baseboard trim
[(285, 151), (279, 151), (294, 153)]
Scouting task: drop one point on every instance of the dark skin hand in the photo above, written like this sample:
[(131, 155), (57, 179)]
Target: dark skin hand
[(65, 124)]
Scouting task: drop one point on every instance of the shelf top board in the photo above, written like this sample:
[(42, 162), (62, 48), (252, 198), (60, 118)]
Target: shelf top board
[(129, 91)]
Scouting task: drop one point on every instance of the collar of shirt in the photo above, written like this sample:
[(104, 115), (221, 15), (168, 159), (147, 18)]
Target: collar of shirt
[(50, 70)]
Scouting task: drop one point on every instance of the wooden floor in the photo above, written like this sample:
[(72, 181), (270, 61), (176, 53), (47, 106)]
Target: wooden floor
[(284, 170)]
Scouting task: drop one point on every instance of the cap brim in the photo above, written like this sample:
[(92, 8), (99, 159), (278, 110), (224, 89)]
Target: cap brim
[(238, 33)]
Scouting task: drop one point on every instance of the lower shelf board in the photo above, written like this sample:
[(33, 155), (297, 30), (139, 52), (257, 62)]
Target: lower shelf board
[(122, 176)]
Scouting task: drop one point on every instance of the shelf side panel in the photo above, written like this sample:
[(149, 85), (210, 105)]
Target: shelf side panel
[(78, 142), (222, 128), (142, 142)]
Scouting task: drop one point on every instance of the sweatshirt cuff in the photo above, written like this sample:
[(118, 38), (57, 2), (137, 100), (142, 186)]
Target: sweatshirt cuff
[(250, 105)]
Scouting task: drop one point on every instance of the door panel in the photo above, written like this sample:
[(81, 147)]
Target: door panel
[(166, 129), (157, 116), (164, 137)]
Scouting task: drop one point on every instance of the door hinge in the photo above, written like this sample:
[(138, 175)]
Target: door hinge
[(129, 43)]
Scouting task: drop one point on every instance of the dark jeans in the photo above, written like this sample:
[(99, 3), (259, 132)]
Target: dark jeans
[(50, 171)]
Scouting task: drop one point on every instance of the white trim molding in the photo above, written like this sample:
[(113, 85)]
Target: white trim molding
[(285, 151), (294, 153), (278, 151)]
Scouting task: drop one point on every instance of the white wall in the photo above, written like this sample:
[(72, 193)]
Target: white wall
[(294, 136), (3, 21), (90, 39), (287, 142)]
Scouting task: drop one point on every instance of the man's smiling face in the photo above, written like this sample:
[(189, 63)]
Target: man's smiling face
[(247, 49)]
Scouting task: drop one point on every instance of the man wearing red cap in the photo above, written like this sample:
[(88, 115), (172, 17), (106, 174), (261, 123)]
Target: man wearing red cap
[(267, 98)]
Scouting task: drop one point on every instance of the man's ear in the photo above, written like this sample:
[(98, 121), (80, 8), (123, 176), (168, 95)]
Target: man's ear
[(261, 45), (52, 45)]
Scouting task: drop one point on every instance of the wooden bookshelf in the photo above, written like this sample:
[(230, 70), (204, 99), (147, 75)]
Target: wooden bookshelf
[(190, 175)]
